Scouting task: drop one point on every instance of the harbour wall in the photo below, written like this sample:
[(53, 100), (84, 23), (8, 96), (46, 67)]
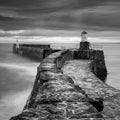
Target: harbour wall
[(33, 51)]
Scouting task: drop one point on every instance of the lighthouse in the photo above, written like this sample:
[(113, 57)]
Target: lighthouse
[(84, 36), (84, 44)]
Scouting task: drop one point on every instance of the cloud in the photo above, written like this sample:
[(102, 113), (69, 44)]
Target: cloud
[(58, 17), (54, 14), (105, 16), (7, 12)]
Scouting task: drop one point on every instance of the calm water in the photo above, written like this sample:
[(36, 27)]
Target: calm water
[(17, 75), (112, 57)]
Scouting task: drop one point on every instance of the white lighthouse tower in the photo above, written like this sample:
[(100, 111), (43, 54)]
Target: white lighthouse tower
[(84, 36), (84, 44)]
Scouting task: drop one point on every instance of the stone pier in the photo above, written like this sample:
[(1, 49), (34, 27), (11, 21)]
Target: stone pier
[(69, 86)]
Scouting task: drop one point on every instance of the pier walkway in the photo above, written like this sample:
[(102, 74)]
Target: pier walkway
[(79, 71), (67, 89)]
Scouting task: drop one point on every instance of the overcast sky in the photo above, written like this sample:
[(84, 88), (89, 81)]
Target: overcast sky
[(34, 18)]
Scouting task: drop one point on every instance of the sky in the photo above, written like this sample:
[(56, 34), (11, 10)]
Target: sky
[(36, 20)]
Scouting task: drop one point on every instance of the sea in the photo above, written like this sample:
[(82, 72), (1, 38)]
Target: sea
[(17, 75)]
